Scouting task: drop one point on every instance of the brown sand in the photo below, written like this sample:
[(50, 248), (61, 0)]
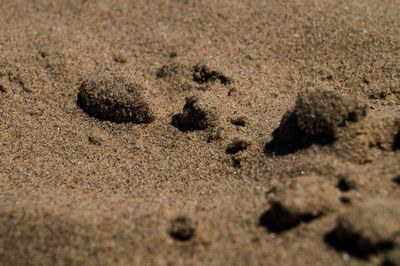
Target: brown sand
[(195, 183)]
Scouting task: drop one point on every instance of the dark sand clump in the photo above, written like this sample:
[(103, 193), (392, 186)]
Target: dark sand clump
[(237, 146), (115, 99), (202, 74), (182, 229), (197, 114)]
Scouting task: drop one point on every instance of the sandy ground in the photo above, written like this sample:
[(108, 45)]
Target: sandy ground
[(173, 132)]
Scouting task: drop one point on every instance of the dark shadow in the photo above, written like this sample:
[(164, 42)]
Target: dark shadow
[(236, 162), (239, 122), (277, 219), (345, 184), (288, 138), (201, 75), (182, 229), (351, 244), (397, 180), (237, 146), (277, 147), (396, 143), (184, 124), (192, 117)]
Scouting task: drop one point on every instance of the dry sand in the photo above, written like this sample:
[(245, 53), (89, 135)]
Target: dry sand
[(188, 143)]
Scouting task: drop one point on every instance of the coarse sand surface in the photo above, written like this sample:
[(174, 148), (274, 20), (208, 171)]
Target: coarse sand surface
[(177, 132)]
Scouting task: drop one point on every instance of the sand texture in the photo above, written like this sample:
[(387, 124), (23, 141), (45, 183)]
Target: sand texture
[(240, 132)]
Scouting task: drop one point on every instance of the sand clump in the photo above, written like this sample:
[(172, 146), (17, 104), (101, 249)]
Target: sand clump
[(206, 110), (321, 111), (368, 227), (306, 199), (3, 88), (116, 99), (237, 145), (197, 114), (345, 184), (318, 116), (182, 229), (203, 74), (237, 150), (240, 121)]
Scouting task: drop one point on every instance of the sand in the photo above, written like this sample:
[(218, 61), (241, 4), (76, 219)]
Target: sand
[(167, 132)]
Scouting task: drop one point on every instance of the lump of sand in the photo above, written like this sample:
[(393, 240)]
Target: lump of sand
[(115, 99), (367, 227), (197, 114), (318, 114), (320, 111), (307, 198), (236, 146)]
